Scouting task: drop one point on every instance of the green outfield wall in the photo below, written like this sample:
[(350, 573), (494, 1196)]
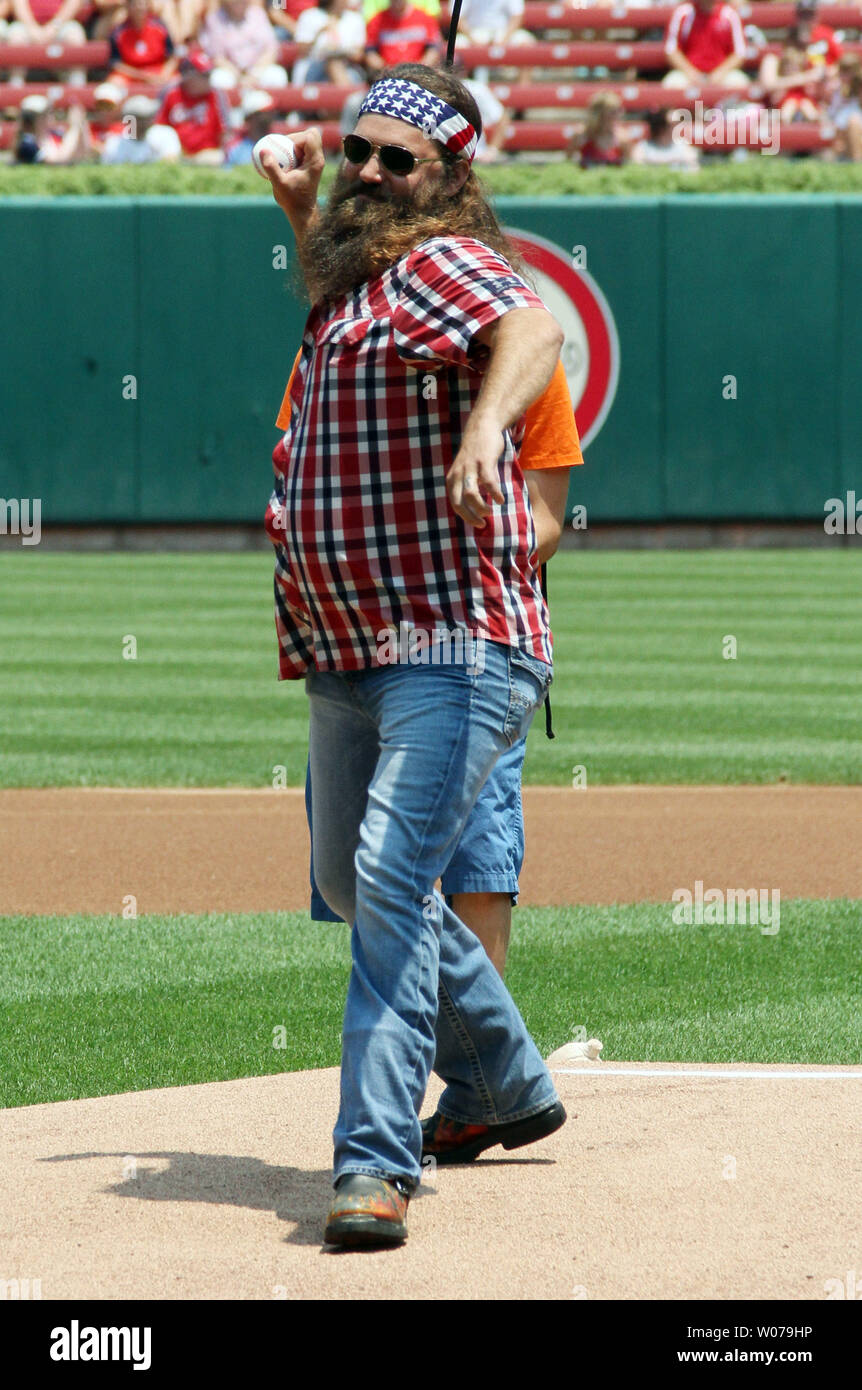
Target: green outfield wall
[(145, 346)]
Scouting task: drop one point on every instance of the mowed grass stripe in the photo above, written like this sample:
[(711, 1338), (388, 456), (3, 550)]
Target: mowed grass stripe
[(97, 1005), (642, 690)]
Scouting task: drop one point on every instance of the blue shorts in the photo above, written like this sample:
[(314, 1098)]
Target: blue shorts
[(490, 852)]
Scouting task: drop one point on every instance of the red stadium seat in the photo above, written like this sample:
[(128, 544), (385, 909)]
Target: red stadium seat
[(570, 19)]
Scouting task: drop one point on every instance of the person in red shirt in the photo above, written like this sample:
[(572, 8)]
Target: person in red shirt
[(401, 34), (141, 48), (705, 43), (197, 113)]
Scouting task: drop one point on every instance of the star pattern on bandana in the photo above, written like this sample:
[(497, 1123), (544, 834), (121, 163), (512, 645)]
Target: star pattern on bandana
[(407, 101)]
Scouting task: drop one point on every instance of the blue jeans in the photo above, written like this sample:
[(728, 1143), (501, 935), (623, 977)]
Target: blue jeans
[(489, 854), (398, 756)]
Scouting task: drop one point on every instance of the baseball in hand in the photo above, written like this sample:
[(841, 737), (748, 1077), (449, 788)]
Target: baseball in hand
[(281, 146)]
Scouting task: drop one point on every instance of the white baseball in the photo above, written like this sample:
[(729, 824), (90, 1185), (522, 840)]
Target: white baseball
[(281, 146)]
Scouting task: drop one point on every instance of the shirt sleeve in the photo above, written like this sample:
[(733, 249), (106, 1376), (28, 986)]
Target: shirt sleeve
[(737, 32), (283, 420), (453, 287), (550, 433), (672, 41)]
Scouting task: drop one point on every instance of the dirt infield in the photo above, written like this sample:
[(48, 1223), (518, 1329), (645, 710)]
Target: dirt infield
[(658, 1187), (72, 850)]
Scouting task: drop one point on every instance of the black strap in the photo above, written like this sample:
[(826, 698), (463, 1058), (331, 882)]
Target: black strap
[(549, 728), (453, 33)]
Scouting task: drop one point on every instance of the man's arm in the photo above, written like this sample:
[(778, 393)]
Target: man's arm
[(549, 491), (295, 190), (525, 345)]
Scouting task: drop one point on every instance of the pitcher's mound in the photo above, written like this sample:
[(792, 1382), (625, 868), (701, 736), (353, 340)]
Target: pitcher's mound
[(676, 1186)]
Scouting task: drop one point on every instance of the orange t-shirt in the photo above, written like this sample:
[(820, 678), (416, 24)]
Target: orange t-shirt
[(550, 433)]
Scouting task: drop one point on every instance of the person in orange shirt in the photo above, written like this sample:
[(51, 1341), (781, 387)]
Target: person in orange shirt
[(481, 881)]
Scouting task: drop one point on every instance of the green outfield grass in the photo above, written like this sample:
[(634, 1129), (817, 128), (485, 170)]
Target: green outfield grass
[(642, 692), (97, 1005)]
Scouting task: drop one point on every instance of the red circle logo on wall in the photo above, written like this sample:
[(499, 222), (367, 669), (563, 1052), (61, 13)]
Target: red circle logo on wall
[(591, 350)]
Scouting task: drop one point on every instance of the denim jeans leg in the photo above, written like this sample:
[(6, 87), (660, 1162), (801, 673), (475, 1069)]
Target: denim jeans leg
[(440, 731)]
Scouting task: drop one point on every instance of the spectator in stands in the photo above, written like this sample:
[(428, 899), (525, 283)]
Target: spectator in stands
[(604, 139), (663, 146), (258, 111), (47, 21), (705, 44), (39, 141), (196, 111), (107, 14), (142, 142), (493, 21), (822, 52), (107, 115), (142, 50), (284, 16), (331, 39), (495, 117), (795, 104), (845, 109), (239, 38), (402, 33)]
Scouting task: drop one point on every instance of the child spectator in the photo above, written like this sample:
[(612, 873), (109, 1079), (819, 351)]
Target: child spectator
[(331, 39), (38, 141), (197, 113), (242, 44), (662, 147), (402, 34), (795, 104), (141, 48), (107, 117), (604, 139), (822, 54)]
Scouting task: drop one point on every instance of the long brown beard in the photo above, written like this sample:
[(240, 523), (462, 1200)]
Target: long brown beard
[(353, 241)]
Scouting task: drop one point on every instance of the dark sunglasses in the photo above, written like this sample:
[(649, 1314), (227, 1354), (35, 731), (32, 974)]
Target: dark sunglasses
[(395, 160)]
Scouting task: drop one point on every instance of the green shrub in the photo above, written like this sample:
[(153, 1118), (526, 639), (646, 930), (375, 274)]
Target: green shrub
[(759, 174)]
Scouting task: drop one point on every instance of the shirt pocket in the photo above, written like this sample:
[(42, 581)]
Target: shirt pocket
[(343, 333)]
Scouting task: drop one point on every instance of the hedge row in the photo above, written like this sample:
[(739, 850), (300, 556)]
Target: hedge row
[(759, 174)]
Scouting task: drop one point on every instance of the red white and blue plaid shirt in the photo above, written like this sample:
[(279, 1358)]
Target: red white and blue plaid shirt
[(366, 539)]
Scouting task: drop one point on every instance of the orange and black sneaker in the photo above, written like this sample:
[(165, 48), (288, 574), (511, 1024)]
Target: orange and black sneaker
[(449, 1141), (368, 1211)]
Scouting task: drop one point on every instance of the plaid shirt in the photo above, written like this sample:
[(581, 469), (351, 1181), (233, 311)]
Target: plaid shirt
[(365, 537)]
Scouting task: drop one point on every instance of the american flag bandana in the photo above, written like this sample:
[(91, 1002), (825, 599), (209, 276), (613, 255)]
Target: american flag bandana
[(407, 101)]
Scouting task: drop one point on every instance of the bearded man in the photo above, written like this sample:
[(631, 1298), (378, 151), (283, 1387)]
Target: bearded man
[(400, 508)]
